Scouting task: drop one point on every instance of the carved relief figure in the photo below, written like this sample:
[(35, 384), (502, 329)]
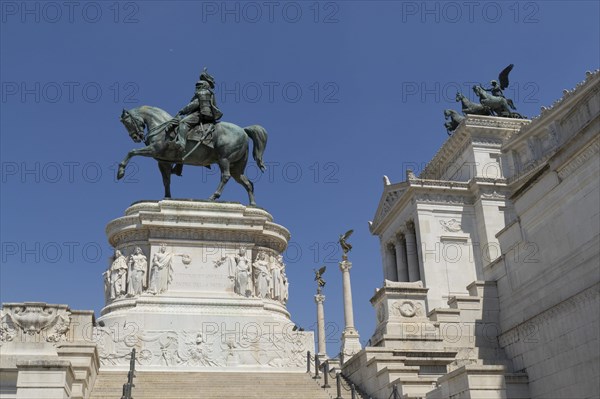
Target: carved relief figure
[(118, 275), (138, 267), (230, 262), (262, 275), (243, 278), (161, 273), (277, 281), (284, 287), (106, 276)]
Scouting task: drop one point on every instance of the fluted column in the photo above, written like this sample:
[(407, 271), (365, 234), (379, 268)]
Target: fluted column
[(322, 349), (389, 263), (350, 337), (411, 252), (401, 265)]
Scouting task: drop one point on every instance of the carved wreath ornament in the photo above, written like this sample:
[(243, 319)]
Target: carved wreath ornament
[(407, 308)]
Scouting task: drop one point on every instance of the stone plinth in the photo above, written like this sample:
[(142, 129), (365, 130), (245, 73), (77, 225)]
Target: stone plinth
[(198, 286), (44, 379), (400, 310)]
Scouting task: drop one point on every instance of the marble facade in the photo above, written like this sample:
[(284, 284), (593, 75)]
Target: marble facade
[(490, 262)]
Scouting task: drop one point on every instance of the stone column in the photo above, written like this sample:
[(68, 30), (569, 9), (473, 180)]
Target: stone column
[(401, 264), (350, 338), (411, 252), (389, 265), (322, 350)]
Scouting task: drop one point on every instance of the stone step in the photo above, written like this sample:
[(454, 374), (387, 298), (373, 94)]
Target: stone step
[(445, 314), (210, 385)]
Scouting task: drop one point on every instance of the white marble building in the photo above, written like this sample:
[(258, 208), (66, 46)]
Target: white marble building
[(491, 261)]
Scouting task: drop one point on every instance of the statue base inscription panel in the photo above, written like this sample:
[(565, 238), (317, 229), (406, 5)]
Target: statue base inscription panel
[(197, 285)]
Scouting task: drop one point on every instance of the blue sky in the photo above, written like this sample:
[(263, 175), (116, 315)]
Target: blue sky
[(348, 91)]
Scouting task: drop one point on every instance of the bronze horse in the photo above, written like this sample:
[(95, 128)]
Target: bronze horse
[(230, 148)]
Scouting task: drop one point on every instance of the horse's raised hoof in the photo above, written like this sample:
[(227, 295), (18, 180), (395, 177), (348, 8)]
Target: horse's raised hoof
[(120, 173)]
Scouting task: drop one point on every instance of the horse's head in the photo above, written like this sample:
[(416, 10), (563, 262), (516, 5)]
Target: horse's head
[(478, 90), (459, 96), (134, 126), (447, 113)]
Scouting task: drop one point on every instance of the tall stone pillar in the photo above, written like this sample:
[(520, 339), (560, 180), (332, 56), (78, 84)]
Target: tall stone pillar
[(322, 350), (411, 252), (401, 265), (350, 338), (389, 263)]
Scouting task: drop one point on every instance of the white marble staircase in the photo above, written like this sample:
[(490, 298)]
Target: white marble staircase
[(210, 385), (417, 352)]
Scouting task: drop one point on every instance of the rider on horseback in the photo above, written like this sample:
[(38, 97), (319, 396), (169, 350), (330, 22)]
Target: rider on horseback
[(201, 110), (496, 90)]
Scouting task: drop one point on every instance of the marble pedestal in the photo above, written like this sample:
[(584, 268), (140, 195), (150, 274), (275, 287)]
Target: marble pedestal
[(212, 295)]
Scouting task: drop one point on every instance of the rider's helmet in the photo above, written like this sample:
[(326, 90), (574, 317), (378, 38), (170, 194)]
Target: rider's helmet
[(494, 83), (205, 76)]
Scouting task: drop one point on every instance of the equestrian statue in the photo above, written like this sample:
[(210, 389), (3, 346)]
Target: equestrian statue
[(195, 136)]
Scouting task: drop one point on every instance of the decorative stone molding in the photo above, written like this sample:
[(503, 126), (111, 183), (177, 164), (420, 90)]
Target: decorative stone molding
[(39, 320), (451, 225), (578, 160), (162, 349), (197, 221), (458, 199), (407, 308), (547, 113)]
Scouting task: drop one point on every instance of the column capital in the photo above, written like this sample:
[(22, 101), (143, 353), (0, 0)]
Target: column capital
[(398, 237), (410, 226), (319, 298), (345, 265)]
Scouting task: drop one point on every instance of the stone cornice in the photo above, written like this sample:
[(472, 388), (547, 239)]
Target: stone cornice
[(197, 220), (579, 159), (400, 289), (396, 196), (489, 189), (483, 130), (581, 93)]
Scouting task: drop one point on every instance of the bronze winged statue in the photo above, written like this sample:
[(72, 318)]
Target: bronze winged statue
[(346, 247), (495, 100), (492, 102), (319, 278)]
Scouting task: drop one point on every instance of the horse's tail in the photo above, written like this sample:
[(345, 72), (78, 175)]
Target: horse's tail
[(258, 134)]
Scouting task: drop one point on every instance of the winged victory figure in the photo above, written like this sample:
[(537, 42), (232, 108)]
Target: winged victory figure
[(502, 83), (319, 277), (346, 247)]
